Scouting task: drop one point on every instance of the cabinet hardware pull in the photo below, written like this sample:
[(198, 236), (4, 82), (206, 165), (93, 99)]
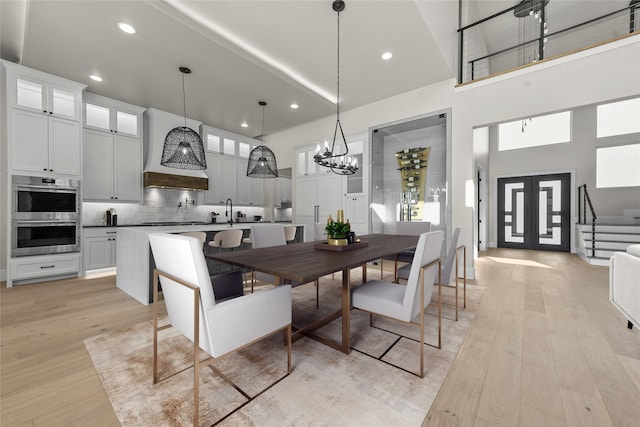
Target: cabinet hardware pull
[(47, 266)]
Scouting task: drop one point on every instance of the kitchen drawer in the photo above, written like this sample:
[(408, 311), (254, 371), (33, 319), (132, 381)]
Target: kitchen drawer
[(99, 232), (31, 267)]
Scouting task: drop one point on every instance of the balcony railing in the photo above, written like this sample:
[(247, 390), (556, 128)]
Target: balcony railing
[(534, 30)]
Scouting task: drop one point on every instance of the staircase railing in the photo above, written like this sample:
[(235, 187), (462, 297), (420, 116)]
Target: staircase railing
[(583, 201)]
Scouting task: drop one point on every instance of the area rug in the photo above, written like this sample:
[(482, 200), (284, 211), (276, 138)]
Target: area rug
[(373, 385)]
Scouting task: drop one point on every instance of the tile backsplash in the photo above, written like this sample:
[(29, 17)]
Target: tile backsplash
[(163, 205)]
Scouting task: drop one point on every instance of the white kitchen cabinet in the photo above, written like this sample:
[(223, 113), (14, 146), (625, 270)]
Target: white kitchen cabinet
[(112, 116), (43, 122), (282, 192), (250, 190), (355, 209), (222, 173), (99, 248), (112, 167), (112, 150), (317, 197), (44, 144), (35, 91), (305, 164), (43, 267)]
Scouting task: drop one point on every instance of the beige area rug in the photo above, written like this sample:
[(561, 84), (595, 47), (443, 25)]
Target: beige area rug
[(370, 386)]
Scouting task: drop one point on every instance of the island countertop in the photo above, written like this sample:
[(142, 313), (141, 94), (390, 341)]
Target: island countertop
[(134, 261)]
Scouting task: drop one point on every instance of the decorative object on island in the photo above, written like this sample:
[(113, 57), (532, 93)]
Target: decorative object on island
[(262, 161), (412, 164), (183, 148), (339, 163)]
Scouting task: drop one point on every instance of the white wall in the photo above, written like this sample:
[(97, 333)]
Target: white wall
[(559, 84)]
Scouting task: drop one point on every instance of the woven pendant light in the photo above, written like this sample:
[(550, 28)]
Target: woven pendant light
[(183, 147), (262, 161)]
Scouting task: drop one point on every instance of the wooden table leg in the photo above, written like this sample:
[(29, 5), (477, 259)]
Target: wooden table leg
[(346, 311)]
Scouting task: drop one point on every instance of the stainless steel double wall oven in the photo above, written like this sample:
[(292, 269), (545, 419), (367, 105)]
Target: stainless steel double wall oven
[(46, 215)]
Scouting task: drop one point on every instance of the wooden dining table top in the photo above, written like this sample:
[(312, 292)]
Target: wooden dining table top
[(302, 262)]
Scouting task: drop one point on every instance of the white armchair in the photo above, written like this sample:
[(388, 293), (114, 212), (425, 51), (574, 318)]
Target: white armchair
[(624, 283), (406, 302), (191, 307)]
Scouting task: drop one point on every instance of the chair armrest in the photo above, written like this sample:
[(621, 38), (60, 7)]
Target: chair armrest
[(624, 287), (241, 320)]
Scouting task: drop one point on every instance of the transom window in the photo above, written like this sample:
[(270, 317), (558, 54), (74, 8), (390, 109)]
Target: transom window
[(534, 132), (619, 118)]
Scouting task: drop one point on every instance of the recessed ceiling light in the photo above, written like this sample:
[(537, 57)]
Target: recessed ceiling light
[(294, 106), (387, 56), (244, 125), (126, 28), (95, 77)]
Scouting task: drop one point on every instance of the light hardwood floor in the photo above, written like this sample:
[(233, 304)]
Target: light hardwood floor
[(546, 349)]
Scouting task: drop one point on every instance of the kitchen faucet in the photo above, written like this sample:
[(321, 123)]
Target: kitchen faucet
[(227, 203)]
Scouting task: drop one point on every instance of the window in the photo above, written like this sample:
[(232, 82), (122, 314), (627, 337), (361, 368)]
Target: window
[(535, 131), (618, 118), (618, 166)]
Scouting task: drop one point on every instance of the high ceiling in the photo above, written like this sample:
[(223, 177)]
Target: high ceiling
[(239, 52), (244, 51)]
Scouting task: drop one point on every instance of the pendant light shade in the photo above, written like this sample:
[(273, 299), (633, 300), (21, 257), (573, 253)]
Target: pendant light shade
[(262, 161), (339, 162), (183, 148)]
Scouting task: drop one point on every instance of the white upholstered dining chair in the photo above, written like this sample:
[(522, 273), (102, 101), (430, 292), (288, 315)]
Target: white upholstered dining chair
[(405, 228), (451, 266), (290, 233), (200, 235), (266, 236), (406, 302), (192, 309)]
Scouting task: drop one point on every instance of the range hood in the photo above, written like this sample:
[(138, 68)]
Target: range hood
[(157, 124)]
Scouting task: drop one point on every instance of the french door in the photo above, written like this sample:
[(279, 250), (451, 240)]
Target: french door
[(534, 212)]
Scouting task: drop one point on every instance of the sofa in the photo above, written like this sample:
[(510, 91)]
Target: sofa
[(624, 283)]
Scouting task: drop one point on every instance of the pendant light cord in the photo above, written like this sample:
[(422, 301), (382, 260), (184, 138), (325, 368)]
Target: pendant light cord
[(338, 74), (184, 101)]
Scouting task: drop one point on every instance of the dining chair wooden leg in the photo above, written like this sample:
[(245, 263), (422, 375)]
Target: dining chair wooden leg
[(288, 334), (395, 270), (317, 294), (381, 267)]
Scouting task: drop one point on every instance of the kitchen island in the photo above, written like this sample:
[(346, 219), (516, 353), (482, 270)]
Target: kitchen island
[(134, 261)]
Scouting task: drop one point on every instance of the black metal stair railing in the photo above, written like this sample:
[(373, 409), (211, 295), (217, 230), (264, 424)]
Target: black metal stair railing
[(583, 201)]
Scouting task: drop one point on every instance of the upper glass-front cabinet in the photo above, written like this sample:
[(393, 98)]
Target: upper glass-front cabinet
[(43, 93), (111, 115), (225, 142)]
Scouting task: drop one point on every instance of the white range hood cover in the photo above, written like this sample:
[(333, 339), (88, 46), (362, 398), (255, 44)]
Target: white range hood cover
[(158, 123)]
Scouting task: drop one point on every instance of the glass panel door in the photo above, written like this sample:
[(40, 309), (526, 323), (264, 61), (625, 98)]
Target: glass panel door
[(534, 212)]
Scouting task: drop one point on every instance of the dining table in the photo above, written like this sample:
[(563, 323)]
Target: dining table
[(306, 262)]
